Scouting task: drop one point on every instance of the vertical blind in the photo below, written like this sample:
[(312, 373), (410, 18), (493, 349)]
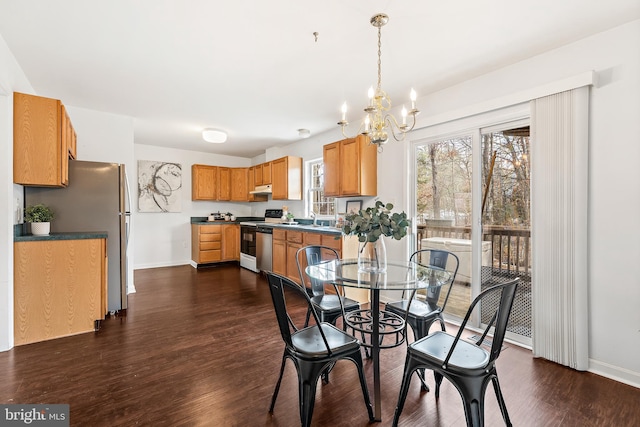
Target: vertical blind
[(559, 151)]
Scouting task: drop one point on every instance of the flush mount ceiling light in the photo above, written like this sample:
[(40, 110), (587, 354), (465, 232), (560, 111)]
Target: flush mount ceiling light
[(304, 133), (377, 122), (215, 136)]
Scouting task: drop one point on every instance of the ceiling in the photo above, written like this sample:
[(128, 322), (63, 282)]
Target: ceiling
[(255, 69)]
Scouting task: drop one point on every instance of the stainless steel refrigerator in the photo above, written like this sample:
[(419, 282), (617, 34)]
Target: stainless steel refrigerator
[(96, 199)]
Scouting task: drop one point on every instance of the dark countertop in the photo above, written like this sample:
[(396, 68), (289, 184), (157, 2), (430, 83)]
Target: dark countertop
[(62, 236), (202, 220)]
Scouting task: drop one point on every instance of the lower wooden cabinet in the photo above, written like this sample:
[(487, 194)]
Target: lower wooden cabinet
[(60, 288), (215, 243)]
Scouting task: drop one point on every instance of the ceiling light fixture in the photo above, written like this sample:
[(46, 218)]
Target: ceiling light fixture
[(215, 136), (304, 133), (378, 123)]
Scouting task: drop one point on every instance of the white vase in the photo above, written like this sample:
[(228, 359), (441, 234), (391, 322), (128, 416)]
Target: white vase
[(372, 257), (40, 228)]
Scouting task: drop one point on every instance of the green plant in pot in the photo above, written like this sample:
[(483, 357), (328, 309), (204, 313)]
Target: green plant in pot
[(370, 225), (40, 217)]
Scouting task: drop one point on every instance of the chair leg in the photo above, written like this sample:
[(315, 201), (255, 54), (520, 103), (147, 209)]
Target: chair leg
[(357, 359), (404, 388), (308, 374), (275, 392), (501, 402), (438, 376), (472, 391), (424, 385)]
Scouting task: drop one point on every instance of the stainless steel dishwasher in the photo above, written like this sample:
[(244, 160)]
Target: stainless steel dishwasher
[(264, 239)]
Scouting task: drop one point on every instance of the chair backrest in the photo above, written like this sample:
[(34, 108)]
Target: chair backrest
[(498, 300), (312, 255), (277, 285), (444, 260)]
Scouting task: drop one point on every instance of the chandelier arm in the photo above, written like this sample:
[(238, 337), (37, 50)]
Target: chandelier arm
[(392, 124), (352, 136)]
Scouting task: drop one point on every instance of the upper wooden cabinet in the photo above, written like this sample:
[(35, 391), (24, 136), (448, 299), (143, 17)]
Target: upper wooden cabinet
[(350, 168), (286, 174), (43, 141), (204, 182), (263, 174)]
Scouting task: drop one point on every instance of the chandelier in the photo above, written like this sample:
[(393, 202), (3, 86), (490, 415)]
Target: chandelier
[(378, 123)]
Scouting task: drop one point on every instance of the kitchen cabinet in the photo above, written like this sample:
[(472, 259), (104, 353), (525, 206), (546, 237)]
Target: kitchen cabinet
[(206, 243), (239, 184), (43, 141), (231, 242), (263, 174), (204, 182), (224, 183), (286, 174), (212, 243), (60, 288), (350, 168)]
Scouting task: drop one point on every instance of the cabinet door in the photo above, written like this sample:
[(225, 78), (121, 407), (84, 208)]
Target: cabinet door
[(266, 173), (331, 160), (239, 184), (204, 182), (279, 253), (231, 242), (258, 177), (292, 266), (349, 167), (37, 142), (280, 181), (224, 183)]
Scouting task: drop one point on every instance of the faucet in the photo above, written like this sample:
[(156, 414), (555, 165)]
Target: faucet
[(315, 219)]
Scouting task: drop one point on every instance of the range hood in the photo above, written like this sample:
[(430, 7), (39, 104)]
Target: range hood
[(261, 189)]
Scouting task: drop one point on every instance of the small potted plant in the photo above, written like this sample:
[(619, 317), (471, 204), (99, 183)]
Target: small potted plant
[(40, 217)]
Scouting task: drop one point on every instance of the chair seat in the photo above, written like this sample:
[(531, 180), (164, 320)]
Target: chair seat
[(436, 346), (418, 308), (308, 341), (330, 302)]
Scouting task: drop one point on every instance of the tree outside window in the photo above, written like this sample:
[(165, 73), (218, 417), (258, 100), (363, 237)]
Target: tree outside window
[(317, 203)]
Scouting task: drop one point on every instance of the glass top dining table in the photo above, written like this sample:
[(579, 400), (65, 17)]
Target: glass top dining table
[(399, 276)]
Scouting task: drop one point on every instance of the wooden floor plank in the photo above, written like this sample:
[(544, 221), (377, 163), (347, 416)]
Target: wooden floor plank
[(202, 348)]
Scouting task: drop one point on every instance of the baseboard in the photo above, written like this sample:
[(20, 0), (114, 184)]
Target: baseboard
[(615, 373), (161, 264)]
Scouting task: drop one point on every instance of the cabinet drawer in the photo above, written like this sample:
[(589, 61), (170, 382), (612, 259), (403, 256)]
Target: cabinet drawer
[(207, 246), (210, 256), (294, 236), (279, 234), (312, 239), (210, 237), (210, 229)]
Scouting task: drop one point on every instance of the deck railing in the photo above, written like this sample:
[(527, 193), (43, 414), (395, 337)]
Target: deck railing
[(510, 247)]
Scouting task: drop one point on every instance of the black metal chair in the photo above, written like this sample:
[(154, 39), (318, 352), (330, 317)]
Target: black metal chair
[(313, 349), (422, 313), (467, 365), (329, 306)]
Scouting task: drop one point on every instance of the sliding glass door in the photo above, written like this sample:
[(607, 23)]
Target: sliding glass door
[(472, 198)]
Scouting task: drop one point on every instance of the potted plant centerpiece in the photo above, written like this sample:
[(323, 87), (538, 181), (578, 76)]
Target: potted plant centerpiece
[(39, 216), (371, 225)]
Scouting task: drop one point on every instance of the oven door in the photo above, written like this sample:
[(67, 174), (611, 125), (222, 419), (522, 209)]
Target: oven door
[(248, 240)]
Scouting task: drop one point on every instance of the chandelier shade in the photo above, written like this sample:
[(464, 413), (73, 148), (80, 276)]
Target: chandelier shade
[(378, 124)]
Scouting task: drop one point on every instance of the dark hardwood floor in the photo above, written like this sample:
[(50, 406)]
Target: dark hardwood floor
[(202, 348)]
